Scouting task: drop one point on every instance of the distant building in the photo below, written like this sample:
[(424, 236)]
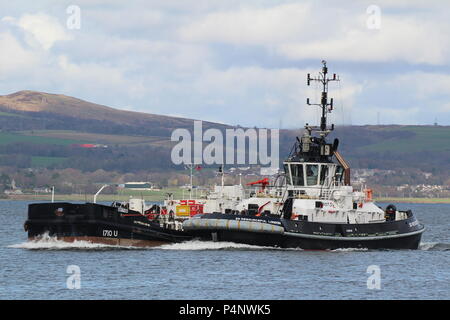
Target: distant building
[(42, 190), (15, 191), (138, 186)]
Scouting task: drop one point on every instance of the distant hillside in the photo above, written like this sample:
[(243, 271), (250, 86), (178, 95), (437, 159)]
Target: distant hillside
[(41, 111), (40, 129), (395, 147), (38, 102)]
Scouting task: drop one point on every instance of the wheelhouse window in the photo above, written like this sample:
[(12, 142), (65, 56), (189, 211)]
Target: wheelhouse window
[(323, 174), (287, 173), (312, 174), (339, 174), (297, 175)]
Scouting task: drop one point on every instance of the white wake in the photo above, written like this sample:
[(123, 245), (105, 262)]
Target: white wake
[(434, 246), (210, 245), (349, 249), (46, 242)]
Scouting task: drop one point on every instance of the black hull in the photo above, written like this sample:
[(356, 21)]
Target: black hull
[(252, 238), (97, 223), (404, 234)]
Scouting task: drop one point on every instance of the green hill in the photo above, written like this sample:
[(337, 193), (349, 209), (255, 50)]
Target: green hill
[(41, 129), (420, 139)]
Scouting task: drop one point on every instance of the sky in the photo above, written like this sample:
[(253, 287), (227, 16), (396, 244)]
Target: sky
[(235, 62)]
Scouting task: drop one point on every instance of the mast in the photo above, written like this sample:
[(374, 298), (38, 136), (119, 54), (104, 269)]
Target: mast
[(315, 148), (318, 148), (326, 106)]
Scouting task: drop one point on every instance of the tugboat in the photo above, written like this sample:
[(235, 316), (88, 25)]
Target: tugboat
[(320, 210)]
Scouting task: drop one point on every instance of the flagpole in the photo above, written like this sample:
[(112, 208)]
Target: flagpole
[(221, 172), (190, 190)]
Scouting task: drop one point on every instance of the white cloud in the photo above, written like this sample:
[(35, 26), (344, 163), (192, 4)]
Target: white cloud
[(398, 39), (423, 85), (110, 19), (249, 95), (249, 25), (444, 107), (234, 62), (302, 31), (93, 78), (14, 58), (41, 29), (408, 98)]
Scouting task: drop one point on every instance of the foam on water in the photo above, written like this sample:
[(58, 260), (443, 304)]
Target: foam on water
[(434, 246), (349, 249), (46, 242), (424, 246), (210, 245), (198, 245)]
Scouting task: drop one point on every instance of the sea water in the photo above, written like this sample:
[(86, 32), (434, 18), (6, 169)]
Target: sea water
[(52, 269)]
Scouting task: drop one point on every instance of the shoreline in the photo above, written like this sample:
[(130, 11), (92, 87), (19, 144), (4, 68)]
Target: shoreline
[(157, 197), (414, 200)]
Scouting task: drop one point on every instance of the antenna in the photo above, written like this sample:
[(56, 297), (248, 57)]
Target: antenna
[(326, 106), (190, 167)]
